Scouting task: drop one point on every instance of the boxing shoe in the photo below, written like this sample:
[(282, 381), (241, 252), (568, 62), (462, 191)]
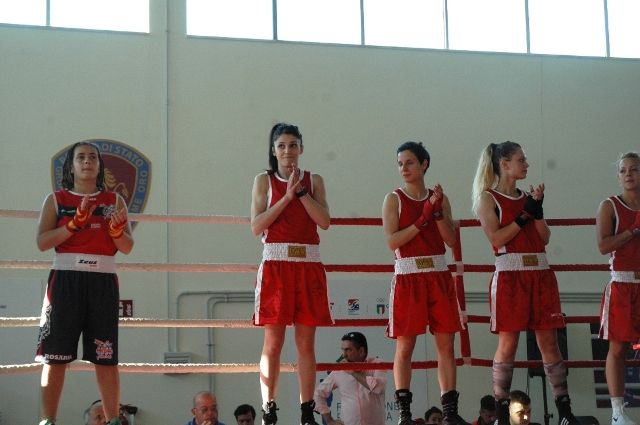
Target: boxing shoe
[(565, 417), (403, 400), (619, 417), (269, 416), (449, 402), (502, 412), (307, 417)]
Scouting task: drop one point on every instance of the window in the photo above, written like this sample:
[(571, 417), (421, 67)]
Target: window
[(325, 21), (488, 25), (404, 23), (114, 15), (624, 31), (224, 18), (24, 12), (567, 27)]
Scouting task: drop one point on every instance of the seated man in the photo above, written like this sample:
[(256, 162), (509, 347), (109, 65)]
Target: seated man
[(362, 392), (519, 408), (94, 415), (245, 414), (487, 411), (205, 409)]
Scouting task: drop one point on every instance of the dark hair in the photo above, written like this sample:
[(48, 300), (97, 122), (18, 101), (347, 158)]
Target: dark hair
[(67, 168), (521, 397), (430, 412), (418, 149), (358, 339), (277, 131), (488, 403), (243, 409)]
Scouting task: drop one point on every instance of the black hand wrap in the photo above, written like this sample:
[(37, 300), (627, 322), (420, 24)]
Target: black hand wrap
[(538, 213), (522, 219), (529, 205)]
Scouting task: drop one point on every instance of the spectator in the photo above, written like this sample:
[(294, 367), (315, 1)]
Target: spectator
[(205, 409), (433, 416), (519, 408), (362, 391), (487, 411), (94, 415), (245, 414)]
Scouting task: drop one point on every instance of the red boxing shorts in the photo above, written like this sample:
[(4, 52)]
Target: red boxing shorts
[(421, 297), (620, 309), (523, 294), (291, 290)]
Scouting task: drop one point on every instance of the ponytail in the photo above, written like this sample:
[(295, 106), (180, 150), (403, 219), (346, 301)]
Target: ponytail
[(488, 172)]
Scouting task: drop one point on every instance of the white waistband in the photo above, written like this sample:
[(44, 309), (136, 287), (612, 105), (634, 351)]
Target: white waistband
[(434, 263), (85, 263), (523, 261), (291, 252), (628, 277)]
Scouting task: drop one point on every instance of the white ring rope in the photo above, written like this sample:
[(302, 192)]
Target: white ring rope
[(130, 322), (144, 267), (163, 218), (152, 368)]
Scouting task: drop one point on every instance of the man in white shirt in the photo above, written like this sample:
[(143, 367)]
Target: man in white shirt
[(362, 392)]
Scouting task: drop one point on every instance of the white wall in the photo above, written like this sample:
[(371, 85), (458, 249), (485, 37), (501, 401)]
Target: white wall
[(201, 110)]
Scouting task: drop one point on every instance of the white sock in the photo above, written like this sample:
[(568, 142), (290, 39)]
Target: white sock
[(617, 404)]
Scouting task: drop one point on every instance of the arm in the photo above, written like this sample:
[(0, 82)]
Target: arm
[(374, 380), (49, 235), (320, 395), (445, 226), (316, 206), (261, 217), (120, 220), (498, 236), (391, 224), (541, 224), (605, 227)]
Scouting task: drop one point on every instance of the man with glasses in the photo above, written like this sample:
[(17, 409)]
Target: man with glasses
[(362, 391), (205, 409), (94, 415)]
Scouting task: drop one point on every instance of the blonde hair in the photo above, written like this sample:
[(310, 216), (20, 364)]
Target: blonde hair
[(488, 172), (632, 155)]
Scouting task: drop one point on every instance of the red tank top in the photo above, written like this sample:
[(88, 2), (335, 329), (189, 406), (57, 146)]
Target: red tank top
[(94, 238), (428, 241), (527, 240), (293, 225), (627, 257)]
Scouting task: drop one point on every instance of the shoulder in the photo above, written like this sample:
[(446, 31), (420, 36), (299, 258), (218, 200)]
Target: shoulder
[(608, 206), (261, 180), (392, 199), (316, 178)]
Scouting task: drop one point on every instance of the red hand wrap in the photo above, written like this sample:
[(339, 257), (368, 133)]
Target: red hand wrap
[(427, 213), (79, 219), (116, 230)]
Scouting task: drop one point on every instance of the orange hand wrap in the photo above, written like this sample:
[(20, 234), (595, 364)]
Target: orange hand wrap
[(79, 220), (116, 230)]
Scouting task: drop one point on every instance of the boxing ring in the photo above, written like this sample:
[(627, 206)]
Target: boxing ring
[(458, 268)]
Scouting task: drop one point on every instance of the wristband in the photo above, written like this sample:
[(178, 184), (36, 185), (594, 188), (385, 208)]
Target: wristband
[(302, 192), (522, 219), (437, 215)]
